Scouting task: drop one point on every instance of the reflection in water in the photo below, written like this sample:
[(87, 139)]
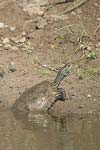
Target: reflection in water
[(38, 131)]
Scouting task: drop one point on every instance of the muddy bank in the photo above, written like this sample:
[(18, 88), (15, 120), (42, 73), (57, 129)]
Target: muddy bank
[(25, 43)]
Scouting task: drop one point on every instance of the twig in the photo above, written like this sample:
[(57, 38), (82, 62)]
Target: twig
[(75, 6), (53, 4), (56, 3), (67, 26), (48, 67)]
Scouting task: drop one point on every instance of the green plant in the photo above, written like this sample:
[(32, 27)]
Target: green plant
[(35, 60), (91, 72), (91, 55)]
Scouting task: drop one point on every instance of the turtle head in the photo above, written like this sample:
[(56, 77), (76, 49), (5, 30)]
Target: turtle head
[(62, 73)]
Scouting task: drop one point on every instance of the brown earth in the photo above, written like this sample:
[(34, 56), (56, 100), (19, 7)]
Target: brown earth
[(47, 40)]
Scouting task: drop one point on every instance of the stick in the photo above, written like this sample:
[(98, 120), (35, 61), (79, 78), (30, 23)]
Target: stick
[(75, 6), (48, 67)]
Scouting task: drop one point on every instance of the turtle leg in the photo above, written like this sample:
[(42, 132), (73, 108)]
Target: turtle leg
[(61, 95)]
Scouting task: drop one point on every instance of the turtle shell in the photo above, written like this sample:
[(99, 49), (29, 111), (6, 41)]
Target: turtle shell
[(37, 98), (43, 96)]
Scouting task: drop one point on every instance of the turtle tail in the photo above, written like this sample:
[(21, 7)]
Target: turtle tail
[(62, 73)]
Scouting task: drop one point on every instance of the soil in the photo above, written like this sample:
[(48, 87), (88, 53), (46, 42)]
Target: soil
[(31, 45)]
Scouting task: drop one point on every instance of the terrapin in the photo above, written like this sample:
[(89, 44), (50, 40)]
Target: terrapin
[(42, 96)]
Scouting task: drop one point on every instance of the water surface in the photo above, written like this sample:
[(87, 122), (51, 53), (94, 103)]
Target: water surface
[(42, 132)]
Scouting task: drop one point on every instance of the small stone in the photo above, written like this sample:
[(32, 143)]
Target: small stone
[(12, 67), (10, 87), (80, 77), (12, 29), (1, 25), (14, 48), (98, 45), (6, 40), (88, 95), (89, 48), (98, 19), (81, 106), (1, 45), (23, 33), (79, 11), (15, 39), (22, 40), (73, 13), (41, 24), (1, 72), (95, 100), (7, 46)]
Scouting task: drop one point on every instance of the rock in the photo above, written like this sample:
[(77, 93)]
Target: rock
[(7, 46), (22, 40), (1, 72), (12, 67), (95, 100), (98, 45), (6, 40), (23, 33), (1, 25), (14, 48), (1, 45), (41, 24), (88, 95), (12, 29), (81, 106)]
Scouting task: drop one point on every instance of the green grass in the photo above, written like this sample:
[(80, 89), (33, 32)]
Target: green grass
[(91, 72)]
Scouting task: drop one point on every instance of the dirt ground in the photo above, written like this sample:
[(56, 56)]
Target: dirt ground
[(30, 44)]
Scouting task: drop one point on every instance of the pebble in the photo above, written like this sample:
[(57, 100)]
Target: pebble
[(12, 29), (88, 95), (41, 24), (6, 40), (98, 45), (1, 72), (1, 45), (98, 19), (23, 33), (81, 106), (22, 40), (7, 46), (1, 25), (14, 48), (12, 67), (95, 100)]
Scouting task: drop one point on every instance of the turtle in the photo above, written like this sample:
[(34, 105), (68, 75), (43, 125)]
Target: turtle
[(43, 95)]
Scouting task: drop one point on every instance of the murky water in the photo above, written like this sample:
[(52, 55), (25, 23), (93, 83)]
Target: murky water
[(40, 131)]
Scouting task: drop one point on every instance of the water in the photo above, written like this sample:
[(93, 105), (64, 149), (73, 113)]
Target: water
[(42, 132)]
